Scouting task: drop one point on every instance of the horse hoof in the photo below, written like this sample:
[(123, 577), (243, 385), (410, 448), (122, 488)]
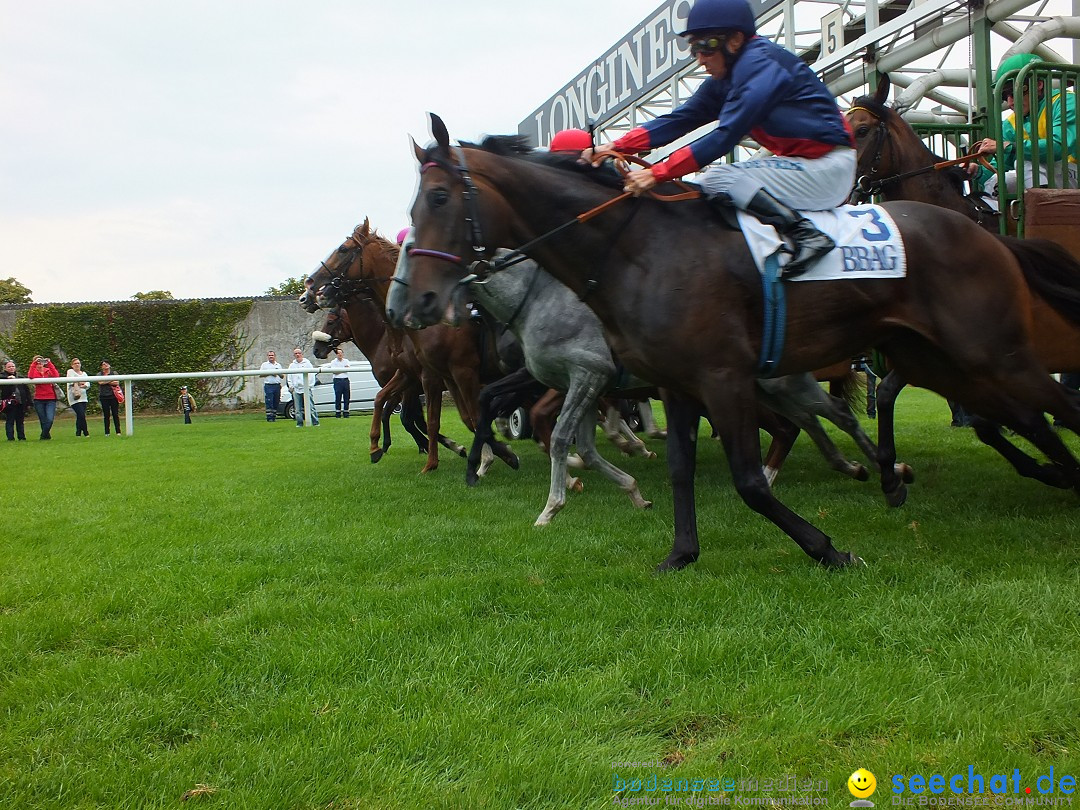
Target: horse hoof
[(471, 478), (907, 475), (844, 559), (429, 468), (676, 562), (376, 457), (897, 497), (513, 462), (861, 473), (575, 485), (646, 505)]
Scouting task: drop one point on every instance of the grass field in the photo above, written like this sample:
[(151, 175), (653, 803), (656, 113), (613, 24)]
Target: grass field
[(251, 615)]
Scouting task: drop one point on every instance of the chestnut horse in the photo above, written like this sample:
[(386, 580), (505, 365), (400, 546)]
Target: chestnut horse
[(375, 342), (681, 300), (447, 358)]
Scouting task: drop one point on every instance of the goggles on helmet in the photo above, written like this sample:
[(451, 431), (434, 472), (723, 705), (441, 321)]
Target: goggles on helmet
[(707, 47)]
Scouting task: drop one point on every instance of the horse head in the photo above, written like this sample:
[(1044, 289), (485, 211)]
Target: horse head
[(335, 330), (354, 269), (871, 121), (468, 204)]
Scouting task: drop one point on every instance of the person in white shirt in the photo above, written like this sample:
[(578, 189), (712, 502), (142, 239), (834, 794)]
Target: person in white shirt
[(77, 397), (342, 393), (298, 384), (271, 386)]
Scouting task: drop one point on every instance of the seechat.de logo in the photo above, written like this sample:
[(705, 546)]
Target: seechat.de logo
[(862, 785)]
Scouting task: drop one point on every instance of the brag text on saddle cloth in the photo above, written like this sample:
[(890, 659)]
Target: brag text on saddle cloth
[(861, 258)]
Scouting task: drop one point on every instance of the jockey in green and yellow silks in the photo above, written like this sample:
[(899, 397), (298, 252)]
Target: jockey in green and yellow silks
[(1052, 129)]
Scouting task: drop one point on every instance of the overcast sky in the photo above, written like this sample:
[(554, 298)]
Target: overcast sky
[(218, 148)]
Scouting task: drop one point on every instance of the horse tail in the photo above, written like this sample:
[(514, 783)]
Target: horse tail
[(1050, 271), (848, 389)]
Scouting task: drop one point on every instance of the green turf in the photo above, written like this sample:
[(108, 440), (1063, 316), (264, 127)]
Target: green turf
[(257, 609)]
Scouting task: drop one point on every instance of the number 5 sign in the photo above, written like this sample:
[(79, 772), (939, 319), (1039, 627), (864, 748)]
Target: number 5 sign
[(832, 32)]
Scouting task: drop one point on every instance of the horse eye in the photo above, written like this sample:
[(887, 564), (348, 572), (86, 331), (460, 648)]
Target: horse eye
[(438, 197), (862, 132)]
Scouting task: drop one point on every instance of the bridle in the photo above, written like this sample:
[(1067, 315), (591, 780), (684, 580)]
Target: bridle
[(865, 187), (341, 286)]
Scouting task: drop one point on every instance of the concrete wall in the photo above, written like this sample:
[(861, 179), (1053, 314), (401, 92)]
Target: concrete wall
[(273, 323)]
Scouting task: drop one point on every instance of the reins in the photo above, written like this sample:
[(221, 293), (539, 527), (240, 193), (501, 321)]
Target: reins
[(481, 267)]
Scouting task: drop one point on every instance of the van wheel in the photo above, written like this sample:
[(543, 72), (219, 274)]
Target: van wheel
[(290, 411), (517, 425)]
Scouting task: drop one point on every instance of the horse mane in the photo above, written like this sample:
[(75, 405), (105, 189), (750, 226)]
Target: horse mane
[(517, 146)]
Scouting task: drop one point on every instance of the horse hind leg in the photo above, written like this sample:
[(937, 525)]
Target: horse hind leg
[(586, 443)]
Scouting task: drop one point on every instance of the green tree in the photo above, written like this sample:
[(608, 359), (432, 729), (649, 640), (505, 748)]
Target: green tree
[(153, 295), (291, 287), (12, 292)]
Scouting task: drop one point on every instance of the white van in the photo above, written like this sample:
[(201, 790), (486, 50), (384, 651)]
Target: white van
[(362, 390)]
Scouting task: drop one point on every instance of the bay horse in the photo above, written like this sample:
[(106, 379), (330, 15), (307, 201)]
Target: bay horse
[(371, 339), (681, 301), (901, 167), (446, 358)]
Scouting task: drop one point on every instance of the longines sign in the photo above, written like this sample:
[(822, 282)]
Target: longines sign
[(645, 58)]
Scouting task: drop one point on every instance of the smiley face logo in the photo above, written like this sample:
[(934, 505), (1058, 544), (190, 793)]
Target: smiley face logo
[(862, 784)]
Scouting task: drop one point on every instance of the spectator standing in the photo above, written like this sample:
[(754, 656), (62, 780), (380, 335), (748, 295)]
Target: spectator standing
[(298, 384), (342, 392), (44, 393), (271, 386), (185, 404), (17, 399), (78, 397), (110, 406)]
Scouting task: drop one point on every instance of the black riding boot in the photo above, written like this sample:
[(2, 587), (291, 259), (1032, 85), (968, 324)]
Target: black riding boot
[(810, 243)]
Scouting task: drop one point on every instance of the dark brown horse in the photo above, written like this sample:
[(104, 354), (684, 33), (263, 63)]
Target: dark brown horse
[(902, 168), (445, 358), (682, 302), (895, 164)]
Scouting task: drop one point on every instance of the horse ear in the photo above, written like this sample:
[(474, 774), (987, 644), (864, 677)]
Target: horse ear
[(421, 154), (442, 137), (365, 229), (883, 87)]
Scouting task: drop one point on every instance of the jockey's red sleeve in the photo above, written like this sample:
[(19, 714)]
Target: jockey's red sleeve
[(679, 163), (636, 140)]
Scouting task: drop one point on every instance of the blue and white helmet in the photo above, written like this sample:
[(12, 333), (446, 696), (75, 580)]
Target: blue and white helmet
[(720, 15)]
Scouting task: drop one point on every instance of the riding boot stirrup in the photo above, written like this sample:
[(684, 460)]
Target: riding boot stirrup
[(810, 244)]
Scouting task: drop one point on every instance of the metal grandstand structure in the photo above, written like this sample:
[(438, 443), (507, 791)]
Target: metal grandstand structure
[(940, 56)]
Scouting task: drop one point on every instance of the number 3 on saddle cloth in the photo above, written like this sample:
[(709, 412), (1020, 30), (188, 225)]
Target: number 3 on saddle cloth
[(868, 244)]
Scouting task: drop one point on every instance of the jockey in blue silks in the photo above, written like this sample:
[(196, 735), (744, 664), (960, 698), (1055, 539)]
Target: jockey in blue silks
[(760, 89)]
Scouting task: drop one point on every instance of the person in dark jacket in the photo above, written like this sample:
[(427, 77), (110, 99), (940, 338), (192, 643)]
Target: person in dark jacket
[(17, 399), (758, 89)]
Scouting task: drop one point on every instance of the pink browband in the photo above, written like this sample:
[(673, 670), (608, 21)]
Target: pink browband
[(429, 165), (434, 254)]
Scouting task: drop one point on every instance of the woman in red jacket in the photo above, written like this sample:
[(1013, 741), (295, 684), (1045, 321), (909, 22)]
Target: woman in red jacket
[(44, 393)]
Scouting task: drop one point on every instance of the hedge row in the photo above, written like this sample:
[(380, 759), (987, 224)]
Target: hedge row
[(141, 337)]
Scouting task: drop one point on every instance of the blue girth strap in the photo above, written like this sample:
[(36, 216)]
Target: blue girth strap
[(775, 318)]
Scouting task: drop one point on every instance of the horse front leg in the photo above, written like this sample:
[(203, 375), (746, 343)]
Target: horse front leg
[(582, 394), (433, 391), (683, 416), (731, 405), (892, 481), (374, 435)]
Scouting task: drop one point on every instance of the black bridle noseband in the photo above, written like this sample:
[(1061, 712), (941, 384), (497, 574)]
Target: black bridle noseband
[(341, 287)]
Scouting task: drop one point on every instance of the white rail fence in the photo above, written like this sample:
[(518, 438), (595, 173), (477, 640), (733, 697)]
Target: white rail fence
[(126, 379)]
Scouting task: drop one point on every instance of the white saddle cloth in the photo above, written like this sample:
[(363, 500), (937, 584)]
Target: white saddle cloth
[(868, 244)]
